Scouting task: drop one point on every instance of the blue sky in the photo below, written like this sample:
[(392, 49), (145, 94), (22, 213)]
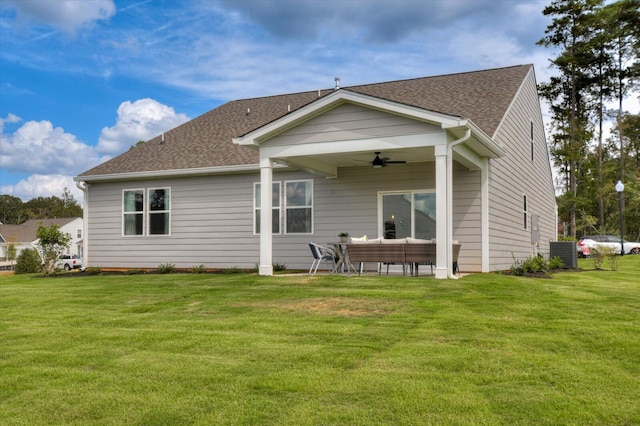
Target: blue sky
[(82, 81)]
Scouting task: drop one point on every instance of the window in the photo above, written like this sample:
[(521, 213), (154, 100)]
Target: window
[(524, 207), (408, 214), (159, 211), (532, 141), (133, 211), (299, 207), (154, 217), (275, 215), (79, 234)]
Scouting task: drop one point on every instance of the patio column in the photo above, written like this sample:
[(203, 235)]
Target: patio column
[(442, 214), (266, 212)]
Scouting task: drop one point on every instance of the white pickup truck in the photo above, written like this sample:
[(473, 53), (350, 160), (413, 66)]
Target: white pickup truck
[(68, 262)]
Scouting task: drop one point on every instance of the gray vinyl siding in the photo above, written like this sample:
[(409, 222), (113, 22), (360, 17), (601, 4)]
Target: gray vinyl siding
[(351, 121), (212, 218), (211, 223), (467, 217), (516, 175)]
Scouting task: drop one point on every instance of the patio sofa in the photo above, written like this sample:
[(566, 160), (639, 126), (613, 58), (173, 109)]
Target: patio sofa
[(404, 251)]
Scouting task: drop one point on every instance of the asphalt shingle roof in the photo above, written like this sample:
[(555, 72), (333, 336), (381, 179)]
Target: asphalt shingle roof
[(26, 232), (206, 141)]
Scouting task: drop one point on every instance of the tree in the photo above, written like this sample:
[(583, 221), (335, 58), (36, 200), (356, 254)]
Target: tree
[(570, 30), (17, 212), (11, 252), (597, 62), (70, 207), (29, 262), (136, 145), (622, 22), (10, 208), (52, 244)]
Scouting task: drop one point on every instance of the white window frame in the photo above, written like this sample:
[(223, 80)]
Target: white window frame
[(287, 208), (525, 211), (148, 212), (381, 195), (532, 144), (273, 209), (134, 212)]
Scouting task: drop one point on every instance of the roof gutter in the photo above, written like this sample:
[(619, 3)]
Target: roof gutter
[(497, 149), (84, 187), (157, 174)]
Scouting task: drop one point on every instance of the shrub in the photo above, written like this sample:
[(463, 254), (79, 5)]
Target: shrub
[(535, 264), (279, 267), (530, 265), (597, 255), (29, 262), (94, 270), (166, 268), (133, 271), (556, 263), (52, 243), (198, 269)]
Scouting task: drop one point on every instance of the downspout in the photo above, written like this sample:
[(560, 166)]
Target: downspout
[(85, 224), (449, 236)]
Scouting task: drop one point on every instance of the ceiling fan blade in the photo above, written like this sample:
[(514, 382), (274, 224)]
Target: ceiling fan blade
[(396, 162)]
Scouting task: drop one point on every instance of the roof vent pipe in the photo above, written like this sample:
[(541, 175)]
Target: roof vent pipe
[(162, 140), (337, 79)]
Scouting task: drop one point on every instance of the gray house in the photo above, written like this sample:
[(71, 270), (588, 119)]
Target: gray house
[(466, 160)]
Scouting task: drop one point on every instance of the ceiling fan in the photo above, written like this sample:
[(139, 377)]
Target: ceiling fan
[(382, 162)]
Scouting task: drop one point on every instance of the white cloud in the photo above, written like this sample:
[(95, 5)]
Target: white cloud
[(139, 120), (11, 118), (39, 147), (52, 156), (43, 186), (65, 15)]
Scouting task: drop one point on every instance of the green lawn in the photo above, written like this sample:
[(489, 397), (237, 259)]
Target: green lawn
[(297, 350)]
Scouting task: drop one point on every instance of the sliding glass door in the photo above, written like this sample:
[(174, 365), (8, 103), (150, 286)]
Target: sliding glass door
[(407, 214)]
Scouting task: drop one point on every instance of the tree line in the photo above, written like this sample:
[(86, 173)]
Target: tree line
[(14, 211), (597, 67)]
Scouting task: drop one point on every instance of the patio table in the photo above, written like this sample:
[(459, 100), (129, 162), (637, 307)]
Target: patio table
[(343, 258)]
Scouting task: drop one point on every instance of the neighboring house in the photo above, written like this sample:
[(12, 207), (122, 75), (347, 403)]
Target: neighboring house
[(476, 163), (24, 235)]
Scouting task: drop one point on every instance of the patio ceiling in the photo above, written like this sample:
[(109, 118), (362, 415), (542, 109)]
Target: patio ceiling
[(364, 158)]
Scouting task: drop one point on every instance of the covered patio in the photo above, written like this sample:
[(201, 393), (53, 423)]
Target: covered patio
[(345, 129)]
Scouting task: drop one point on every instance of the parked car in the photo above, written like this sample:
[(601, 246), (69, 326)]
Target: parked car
[(589, 242), (68, 262)]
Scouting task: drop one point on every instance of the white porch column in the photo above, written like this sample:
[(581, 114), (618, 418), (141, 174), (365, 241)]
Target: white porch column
[(484, 178), (442, 215), (266, 212)]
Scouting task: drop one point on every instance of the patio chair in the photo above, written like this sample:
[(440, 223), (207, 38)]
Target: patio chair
[(321, 253)]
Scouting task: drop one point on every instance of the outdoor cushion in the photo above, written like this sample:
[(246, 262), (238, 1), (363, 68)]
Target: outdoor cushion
[(373, 241), (393, 241), (418, 241)]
